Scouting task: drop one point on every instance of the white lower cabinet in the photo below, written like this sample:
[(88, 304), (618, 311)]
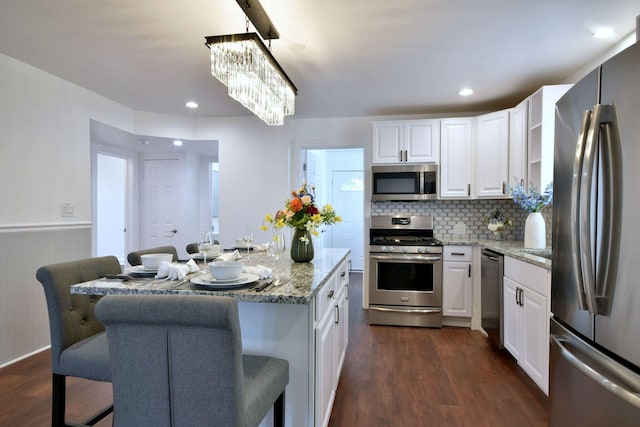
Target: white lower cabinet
[(457, 283), (331, 339), (526, 318)]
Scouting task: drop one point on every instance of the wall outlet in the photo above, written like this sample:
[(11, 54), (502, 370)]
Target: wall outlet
[(460, 228), (66, 209)]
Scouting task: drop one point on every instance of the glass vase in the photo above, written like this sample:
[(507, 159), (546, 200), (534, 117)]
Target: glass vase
[(301, 250)]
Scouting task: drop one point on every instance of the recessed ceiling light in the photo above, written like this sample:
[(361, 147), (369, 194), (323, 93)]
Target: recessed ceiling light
[(177, 143), (465, 92), (191, 104), (603, 33)]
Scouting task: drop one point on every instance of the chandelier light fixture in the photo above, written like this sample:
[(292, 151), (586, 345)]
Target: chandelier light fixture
[(252, 75)]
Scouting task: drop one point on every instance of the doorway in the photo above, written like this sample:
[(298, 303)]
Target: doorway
[(338, 174), (111, 200)]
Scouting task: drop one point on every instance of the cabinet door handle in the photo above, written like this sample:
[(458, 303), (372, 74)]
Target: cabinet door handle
[(504, 187), (347, 290), (469, 270), (400, 155), (330, 295), (518, 297), (337, 314), (468, 189)]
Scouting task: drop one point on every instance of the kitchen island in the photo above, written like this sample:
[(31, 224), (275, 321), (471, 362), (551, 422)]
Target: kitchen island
[(304, 321)]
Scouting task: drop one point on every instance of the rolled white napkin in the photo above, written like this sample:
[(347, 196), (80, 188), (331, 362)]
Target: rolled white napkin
[(258, 269), (229, 256), (175, 271)]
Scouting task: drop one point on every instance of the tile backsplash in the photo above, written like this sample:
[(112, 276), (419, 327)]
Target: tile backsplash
[(464, 219)]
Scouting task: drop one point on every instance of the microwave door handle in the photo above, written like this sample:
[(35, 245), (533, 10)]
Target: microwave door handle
[(586, 182), (611, 160), (575, 210), (421, 181)]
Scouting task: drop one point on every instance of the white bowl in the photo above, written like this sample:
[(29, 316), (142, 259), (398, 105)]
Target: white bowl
[(152, 261), (225, 270)]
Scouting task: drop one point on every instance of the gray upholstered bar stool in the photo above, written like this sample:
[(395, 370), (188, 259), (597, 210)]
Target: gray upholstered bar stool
[(78, 342), (192, 248), (177, 361), (133, 258)]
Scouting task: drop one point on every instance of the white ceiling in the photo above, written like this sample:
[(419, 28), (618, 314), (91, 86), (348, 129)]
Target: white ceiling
[(347, 57)]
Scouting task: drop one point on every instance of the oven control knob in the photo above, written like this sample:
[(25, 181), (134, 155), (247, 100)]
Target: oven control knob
[(420, 250), (427, 250), (405, 250), (390, 248)]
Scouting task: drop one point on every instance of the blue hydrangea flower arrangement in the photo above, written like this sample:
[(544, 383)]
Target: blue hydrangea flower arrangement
[(534, 201)]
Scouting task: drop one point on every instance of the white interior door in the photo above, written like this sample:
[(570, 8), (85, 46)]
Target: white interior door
[(347, 199), (161, 200)]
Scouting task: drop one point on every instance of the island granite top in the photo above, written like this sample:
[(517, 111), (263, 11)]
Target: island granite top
[(302, 280)]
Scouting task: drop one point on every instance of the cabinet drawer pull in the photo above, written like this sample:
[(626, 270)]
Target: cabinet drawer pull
[(457, 253), (330, 294)]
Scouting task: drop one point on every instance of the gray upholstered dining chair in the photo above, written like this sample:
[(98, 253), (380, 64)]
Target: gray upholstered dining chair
[(133, 258), (78, 342), (177, 361)]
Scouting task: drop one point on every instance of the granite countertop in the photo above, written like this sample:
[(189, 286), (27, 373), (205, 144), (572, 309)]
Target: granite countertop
[(302, 281), (512, 248)]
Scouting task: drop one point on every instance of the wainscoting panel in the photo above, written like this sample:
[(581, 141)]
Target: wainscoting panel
[(24, 322)]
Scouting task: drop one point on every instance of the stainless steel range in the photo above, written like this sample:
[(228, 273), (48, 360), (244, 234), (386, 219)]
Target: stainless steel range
[(405, 272)]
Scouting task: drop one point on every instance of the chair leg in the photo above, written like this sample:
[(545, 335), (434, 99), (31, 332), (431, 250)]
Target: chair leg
[(58, 400), (278, 411)]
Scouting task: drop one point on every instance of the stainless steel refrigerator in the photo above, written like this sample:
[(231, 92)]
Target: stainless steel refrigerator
[(595, 289)]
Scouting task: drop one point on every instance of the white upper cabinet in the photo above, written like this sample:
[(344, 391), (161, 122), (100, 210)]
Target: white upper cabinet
[(406, 141), (455, 157), (492, 154), (518, 137), (422, 140)]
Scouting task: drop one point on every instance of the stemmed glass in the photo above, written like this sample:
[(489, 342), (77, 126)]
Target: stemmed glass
[(248, 238), (275, 249), (205, 244)]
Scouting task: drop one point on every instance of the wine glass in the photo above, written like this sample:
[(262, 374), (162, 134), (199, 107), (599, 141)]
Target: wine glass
[(205, 244), (248, 238), (275, 249)]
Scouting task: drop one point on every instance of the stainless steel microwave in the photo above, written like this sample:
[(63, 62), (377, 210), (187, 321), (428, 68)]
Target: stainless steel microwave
[(404, 182)]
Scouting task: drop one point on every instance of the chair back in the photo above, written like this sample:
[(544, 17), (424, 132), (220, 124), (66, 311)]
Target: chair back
[(72, 317), (175, 360), (133, 258)]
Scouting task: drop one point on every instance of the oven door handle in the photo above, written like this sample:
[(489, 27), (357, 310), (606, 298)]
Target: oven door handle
[(406, 310), (416, 258)]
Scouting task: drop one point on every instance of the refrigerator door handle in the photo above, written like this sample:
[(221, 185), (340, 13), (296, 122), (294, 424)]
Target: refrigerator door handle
[(586, 181), (575, 210), (611, 160), (609, 383)]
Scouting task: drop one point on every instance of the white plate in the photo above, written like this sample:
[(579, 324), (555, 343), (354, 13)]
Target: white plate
[(207, 280), (141, 269), (209, 256)]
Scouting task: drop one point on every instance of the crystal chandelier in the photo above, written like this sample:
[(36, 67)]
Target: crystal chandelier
[(253, 76)]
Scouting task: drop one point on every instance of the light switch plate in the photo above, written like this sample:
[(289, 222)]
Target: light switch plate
[(66, 209)]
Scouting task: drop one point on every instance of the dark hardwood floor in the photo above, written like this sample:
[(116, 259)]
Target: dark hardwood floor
[(399, 376), (392, 376)]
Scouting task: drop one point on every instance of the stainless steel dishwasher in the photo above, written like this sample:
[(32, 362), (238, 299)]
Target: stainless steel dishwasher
[(491, 272)]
